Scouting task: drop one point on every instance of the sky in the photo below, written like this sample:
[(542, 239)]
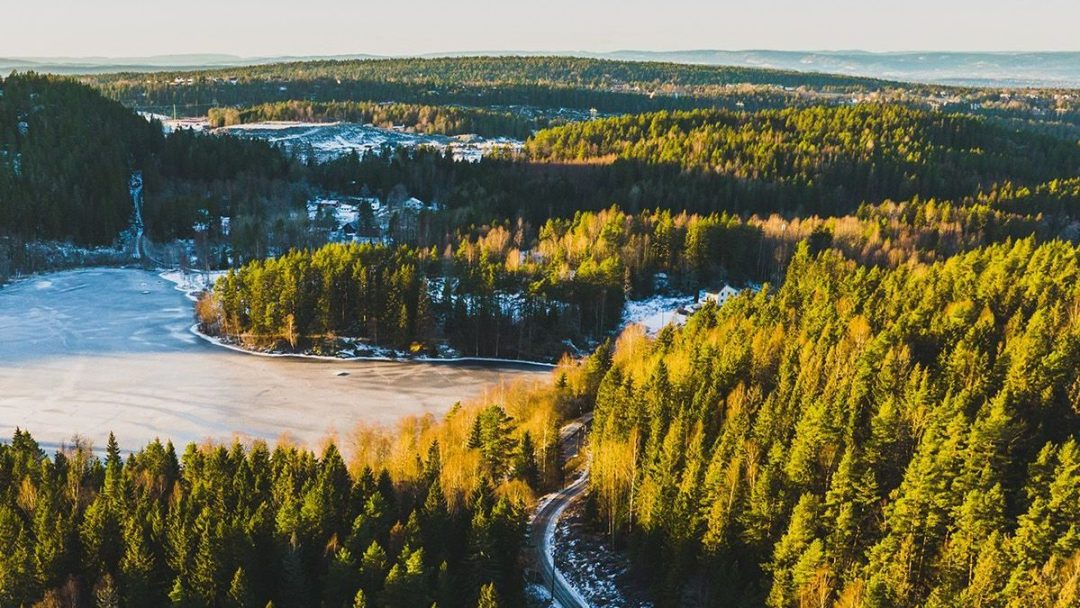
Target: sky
[(139, 28)]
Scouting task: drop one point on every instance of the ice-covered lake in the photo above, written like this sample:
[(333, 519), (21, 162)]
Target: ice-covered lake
[(91, 351)]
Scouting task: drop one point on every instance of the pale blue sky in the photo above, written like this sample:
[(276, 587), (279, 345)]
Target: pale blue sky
[(305, 27)]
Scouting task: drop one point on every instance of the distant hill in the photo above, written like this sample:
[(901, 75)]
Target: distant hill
[(1049, 69), (580, 83), (152, 63), (989, 69)]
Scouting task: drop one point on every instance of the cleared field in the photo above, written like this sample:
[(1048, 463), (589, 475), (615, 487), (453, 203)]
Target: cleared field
[(330, 140)]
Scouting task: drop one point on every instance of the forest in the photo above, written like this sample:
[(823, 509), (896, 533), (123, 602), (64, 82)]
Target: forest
[(66, 156), (819, 159), (412, 117), (426, 513), (509, 290), (856, 437), (797, 162), (889, 418), (815, 160), (582, 84), (494, 294), (544, 82)]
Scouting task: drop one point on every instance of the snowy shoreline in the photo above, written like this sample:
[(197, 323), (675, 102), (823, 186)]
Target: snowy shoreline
[(652, 313), (109, 349), (186, 283)]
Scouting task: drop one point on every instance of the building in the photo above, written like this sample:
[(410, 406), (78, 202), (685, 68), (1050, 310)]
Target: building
[(720, 296)]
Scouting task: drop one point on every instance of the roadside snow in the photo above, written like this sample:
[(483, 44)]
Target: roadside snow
[(538, 595), (549, 548), (596, 571)]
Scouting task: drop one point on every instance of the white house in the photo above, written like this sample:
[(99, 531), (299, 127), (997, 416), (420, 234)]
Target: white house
[(719, 297)]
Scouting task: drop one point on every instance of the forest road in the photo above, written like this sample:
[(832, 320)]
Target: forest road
[(542, 527)]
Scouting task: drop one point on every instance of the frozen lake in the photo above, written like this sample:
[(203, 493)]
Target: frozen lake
[(91, 351)]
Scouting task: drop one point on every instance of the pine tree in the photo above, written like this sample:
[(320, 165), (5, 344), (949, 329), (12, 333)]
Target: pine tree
[(795, 556), (206, 574), (294, 582), (240, 595), (137, 568), (373, 568), (113, 462), (435, 522), (476, 434), (179, 596), (106, 594), (100, 536), (525, 467), (489, 598), (405, 585), (342, 579), (491, 435)]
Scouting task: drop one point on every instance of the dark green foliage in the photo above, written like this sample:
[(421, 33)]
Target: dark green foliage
[(491, 435), (814, 160), (67, 155), (900, 437), (525, 466), (413, 117), (545, 82), (238, 527)]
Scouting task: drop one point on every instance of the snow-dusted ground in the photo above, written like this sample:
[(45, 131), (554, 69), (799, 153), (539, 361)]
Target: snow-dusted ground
[(657, 312), (331, 140), (538, 595), (192, 281), (91, 351), (599, 574), (169, 124), (548, 513)]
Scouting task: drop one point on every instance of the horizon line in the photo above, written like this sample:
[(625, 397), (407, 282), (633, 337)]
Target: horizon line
[(524, 52)]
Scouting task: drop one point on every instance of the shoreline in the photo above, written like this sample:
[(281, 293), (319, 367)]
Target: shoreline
[(172, 276), (194, 329)]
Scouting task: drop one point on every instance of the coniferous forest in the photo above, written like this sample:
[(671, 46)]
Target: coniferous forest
[(427, 513), (862, 437), (887, 415), (67, 154), (422, 118)]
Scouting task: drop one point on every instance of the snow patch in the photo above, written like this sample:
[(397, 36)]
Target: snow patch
[(596, 571), (657, 312), (330, 140), (192, 282)]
